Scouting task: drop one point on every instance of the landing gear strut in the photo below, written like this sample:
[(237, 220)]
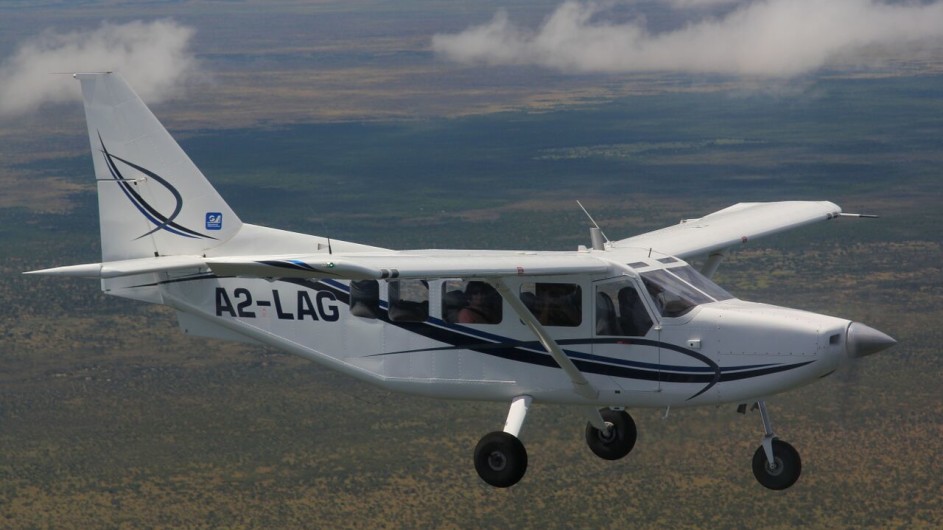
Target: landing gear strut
[(776, 464)]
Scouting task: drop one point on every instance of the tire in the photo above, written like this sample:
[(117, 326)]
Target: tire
[(621, 437), (500, 459), (785, 471)]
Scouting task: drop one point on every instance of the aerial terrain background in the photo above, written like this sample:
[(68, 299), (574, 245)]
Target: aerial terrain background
[(426, 124)]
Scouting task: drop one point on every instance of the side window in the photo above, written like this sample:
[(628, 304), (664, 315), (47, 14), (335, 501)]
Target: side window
[(620, 311), (633, 317), (409, 300), (470, 302), (554, 304), (365, 298)]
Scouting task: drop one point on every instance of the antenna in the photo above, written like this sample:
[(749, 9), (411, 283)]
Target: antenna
[(596, 234), (324, 230)]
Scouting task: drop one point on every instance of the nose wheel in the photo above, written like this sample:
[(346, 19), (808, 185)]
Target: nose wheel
[(776, 464), (783, 471)]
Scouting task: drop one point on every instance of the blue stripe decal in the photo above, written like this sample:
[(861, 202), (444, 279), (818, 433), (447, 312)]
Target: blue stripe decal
[(151, 213)]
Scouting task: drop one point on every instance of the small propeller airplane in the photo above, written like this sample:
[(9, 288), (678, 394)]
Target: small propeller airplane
[(618, 325)]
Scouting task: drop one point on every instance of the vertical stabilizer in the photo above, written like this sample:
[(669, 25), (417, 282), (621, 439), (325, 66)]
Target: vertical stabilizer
[(152, 199)]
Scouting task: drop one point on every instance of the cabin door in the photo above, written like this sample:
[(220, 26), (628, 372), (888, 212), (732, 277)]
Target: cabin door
[(624, 335)]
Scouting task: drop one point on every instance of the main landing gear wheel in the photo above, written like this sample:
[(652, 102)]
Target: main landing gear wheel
[(500, 459), (618, 440), (785, 469)]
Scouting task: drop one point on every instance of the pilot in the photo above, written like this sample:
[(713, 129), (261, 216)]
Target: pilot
[(634, 318), (658, 295), (479, 309)]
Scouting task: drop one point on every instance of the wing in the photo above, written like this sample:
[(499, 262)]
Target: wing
[(353, 266), (731, 226), (419, 264)]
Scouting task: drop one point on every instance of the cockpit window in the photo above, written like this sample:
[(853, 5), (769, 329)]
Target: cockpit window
[(701, 282), (620, 310), (678, 290)]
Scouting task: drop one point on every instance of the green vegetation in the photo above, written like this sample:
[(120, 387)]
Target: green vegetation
[(109, 417)]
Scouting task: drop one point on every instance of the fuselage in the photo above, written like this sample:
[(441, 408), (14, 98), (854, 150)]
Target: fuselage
[(646, 333)]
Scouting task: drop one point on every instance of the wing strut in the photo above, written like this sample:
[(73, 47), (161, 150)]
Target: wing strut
[(580, 383), (713, 261)]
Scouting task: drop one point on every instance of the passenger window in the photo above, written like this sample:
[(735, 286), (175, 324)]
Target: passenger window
[(365, 298), (554, 304), (409, 300), (620, 311), (470, 302)]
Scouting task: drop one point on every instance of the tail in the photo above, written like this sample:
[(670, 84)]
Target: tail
[(152, 199)]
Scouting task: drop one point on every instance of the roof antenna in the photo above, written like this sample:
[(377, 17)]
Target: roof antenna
[(596, 234), (324, 228)]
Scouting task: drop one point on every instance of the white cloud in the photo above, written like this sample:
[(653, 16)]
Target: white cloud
[(152, 56), (701, 3), (770, 38)]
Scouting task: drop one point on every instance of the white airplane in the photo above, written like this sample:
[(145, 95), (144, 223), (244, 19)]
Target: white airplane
[(622, 324)]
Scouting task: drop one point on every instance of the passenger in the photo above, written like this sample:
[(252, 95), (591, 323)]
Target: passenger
[(479, 310), (560, 304)]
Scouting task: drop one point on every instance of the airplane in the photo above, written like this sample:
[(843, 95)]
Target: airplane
[(617, 325)]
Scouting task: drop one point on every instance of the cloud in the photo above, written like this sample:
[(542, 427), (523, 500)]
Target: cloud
[(152, 56), (768, 38), (701, 3)]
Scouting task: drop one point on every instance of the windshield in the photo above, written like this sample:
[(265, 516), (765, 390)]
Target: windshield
[(701, 282), (678, 290)]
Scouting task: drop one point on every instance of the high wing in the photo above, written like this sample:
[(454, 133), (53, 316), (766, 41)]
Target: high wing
[(354, 266), (731, 226), (404, 265), (723, 229)]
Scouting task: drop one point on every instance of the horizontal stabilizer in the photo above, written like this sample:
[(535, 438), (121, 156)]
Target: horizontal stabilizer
[(129, 267)]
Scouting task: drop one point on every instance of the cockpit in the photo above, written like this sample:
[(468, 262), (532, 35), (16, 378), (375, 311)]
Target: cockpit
[(677, 289)]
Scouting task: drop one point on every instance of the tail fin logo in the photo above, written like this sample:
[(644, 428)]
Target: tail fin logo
[(161, 220), (214, 221)]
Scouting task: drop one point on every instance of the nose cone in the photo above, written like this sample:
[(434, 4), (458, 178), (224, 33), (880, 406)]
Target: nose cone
[(864, 340)]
